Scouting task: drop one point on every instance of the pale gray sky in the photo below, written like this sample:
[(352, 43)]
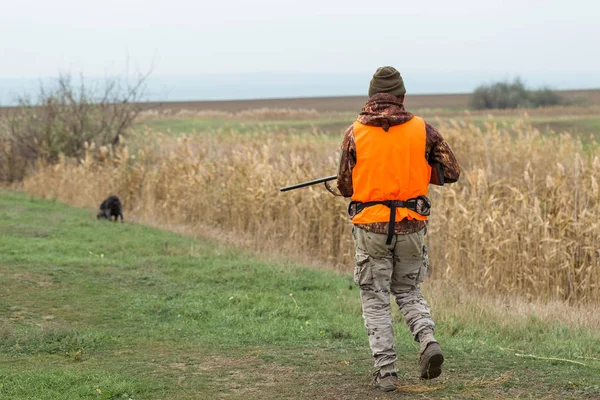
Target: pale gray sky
[(185, 38)]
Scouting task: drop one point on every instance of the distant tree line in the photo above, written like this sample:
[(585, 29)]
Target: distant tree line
[(513, 95)]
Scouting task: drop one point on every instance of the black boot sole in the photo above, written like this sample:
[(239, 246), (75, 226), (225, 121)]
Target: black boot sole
[(434, 366)]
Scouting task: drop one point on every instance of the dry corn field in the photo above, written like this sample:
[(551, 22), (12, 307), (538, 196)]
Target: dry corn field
[(523, 219)]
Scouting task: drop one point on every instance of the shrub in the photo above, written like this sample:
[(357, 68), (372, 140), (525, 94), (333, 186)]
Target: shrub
[(64, 118), (512, 95), (545, 97)]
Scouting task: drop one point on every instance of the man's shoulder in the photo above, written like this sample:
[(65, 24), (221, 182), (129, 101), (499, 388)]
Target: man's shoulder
[(349, 130), (416, 118)]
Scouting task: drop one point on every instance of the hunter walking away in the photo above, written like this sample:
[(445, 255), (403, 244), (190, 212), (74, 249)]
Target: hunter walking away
[(389, 158)]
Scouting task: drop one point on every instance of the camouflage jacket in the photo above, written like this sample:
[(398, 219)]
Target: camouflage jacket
[(385, 110)]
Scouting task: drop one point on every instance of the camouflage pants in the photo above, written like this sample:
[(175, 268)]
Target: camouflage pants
[(396, 269)]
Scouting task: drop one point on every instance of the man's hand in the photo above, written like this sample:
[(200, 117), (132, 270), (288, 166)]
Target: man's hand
[(332, 190)]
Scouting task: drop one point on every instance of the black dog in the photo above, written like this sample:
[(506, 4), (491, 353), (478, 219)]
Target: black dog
[(111, 207)]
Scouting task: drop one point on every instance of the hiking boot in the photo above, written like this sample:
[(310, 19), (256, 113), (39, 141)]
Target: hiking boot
[(386, 382), (431, 361)]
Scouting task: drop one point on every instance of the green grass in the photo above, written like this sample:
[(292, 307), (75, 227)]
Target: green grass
[(585, 126), (97, 310), (176, 126)]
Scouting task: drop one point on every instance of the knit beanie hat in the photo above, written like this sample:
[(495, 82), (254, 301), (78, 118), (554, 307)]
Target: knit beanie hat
[(387, 80)]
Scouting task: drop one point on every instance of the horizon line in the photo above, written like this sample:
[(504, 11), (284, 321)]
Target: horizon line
[(408, 95)]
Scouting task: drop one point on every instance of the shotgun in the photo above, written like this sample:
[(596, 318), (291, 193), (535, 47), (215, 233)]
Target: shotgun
[(308, 183), (437, 178)]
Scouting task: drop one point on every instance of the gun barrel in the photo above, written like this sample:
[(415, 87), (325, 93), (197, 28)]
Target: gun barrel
[(309, 183)]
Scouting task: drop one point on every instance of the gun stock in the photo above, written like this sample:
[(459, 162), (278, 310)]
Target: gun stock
[(437, 174)]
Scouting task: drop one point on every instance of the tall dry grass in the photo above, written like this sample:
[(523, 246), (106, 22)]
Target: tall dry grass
[(522, 220)]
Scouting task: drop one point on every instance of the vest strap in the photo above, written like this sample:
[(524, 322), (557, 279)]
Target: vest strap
[(421, 205)]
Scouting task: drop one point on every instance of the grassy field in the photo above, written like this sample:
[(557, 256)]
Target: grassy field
[(520, 221), (97, 310), (580, 121)]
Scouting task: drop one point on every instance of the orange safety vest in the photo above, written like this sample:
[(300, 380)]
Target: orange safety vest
[(389, 166)]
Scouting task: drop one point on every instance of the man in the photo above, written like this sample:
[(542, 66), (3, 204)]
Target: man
[(386, 167)]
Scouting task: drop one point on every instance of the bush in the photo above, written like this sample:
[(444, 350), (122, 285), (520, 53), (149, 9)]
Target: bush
[(512, 95), (545, 97), (65, 117)]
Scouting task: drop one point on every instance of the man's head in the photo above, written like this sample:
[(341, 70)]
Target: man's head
[(387, 80)]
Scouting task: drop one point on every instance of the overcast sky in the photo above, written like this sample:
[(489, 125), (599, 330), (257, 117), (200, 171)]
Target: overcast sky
[(190, 37)]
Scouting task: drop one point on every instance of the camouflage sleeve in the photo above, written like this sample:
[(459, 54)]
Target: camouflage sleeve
[(347, 163), (437, 150)]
